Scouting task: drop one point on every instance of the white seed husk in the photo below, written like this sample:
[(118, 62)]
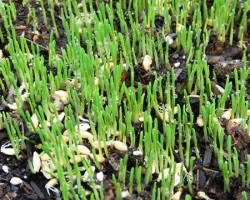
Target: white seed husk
[(16, 181), (100, 176), (125, 194), (137, 153), (147, 61), (36, 162), (5, 168)]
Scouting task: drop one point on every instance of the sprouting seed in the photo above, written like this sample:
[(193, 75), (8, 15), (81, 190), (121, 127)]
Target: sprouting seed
[(7, 149), (16, 181)]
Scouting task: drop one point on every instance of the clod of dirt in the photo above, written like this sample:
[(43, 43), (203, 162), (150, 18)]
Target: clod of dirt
[(224, 68)]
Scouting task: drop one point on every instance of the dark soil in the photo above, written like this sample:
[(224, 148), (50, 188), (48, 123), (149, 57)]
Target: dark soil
[(208, 177)]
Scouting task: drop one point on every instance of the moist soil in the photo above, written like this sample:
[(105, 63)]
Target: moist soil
[(207, 176)]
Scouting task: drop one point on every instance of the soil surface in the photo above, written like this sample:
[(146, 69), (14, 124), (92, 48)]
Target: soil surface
[(222, 59)]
